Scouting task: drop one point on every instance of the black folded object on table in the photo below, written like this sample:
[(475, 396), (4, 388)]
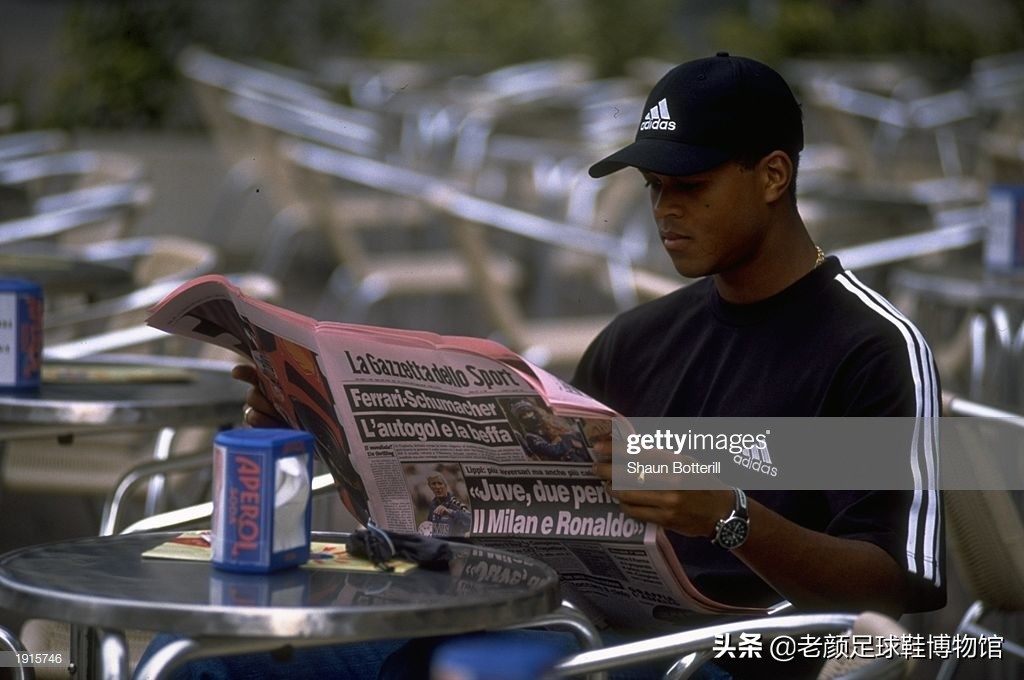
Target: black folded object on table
[(379, 546)]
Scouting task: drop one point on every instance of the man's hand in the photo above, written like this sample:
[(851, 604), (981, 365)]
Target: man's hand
[(690, 512), (258, 411), (857, 575)]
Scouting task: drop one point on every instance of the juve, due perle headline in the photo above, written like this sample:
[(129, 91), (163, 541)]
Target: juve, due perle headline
[(580, 507), (666, 440)]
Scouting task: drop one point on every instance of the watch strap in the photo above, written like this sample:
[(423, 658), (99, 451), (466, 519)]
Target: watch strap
[(740, 508)]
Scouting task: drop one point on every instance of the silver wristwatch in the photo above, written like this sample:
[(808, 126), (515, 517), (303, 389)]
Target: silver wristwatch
[(732, 531)]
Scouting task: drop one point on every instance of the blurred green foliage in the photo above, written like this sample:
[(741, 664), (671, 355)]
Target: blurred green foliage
[(943, 31), (118, 68), (500, 32), (119, 55)]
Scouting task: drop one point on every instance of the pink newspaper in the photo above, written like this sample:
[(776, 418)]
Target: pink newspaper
[(451, 436)]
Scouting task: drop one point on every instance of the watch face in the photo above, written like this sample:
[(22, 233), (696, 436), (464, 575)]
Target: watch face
[(732, 533)]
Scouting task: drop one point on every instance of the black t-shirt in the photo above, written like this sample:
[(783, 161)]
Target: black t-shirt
[(826, 346)]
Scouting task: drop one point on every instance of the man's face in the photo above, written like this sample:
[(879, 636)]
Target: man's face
[(709, 222), (438, 487)]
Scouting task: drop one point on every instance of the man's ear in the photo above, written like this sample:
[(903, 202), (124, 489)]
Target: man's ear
[(777, 171)]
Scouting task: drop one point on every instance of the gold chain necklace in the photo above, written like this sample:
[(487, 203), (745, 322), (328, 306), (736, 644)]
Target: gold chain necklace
[(821, 256)]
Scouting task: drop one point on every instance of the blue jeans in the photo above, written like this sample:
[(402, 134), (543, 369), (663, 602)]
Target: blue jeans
[(391, 659), (359, 660)]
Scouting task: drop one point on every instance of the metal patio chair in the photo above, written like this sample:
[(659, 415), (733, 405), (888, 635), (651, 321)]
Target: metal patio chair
[(987, 543)]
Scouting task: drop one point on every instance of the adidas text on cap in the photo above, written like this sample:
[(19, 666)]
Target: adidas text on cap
[(709, 111)]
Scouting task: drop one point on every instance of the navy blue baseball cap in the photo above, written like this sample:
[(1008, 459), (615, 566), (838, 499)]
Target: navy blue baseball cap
[(709, 111)]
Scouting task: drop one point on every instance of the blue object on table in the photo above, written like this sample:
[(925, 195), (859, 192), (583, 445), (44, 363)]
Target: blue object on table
[(494, 656), (21, 334), (1004, 245), (262, 499)]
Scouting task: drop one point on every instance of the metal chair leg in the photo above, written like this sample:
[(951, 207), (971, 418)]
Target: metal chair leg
[(12, 643), (155, 494), (687, 666), (569, 616), (113, 655), (281, 245), (970, 617)]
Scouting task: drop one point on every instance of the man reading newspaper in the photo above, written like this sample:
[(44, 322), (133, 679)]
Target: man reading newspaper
[(773, 328)]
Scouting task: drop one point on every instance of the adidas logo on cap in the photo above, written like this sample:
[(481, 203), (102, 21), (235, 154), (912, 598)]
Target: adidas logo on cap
[(658, 118)]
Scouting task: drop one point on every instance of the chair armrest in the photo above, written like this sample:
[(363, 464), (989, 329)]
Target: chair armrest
[(681, 644), (194, 513), (104, 342)]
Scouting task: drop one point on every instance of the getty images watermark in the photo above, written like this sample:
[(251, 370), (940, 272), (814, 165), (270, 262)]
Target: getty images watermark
[(819, 453), (747, 450)]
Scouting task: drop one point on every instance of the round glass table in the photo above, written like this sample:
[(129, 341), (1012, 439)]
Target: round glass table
[(104, 585), (122, 392)]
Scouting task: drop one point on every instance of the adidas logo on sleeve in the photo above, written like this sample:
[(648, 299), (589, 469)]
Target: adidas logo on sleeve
[(658, 118)]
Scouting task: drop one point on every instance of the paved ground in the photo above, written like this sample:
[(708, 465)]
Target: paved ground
[(189, 182)]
